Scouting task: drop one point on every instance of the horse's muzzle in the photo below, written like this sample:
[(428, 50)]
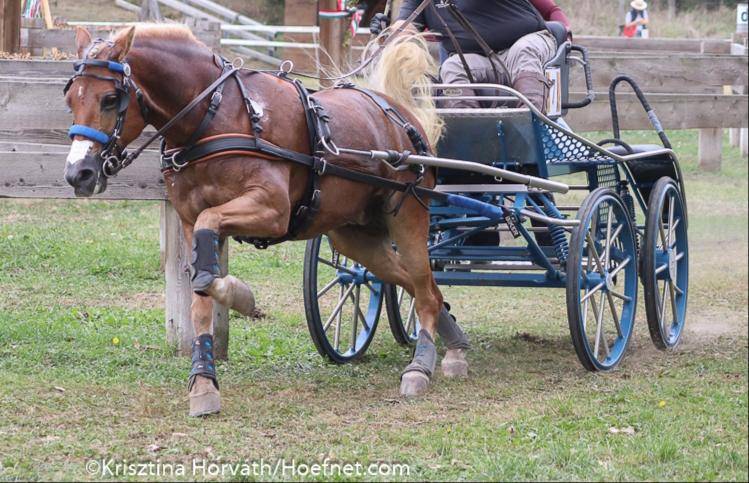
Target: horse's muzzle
[(85, 176)]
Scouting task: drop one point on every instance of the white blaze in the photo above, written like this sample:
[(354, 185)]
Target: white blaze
[(78, 151)]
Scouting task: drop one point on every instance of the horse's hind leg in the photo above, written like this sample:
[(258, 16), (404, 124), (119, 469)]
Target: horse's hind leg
[(410, 269)]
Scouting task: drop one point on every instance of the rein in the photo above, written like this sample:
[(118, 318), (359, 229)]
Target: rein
[(114, 158), (200, 149)]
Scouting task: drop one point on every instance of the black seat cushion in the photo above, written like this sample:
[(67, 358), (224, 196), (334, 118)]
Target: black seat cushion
[(558, 30)]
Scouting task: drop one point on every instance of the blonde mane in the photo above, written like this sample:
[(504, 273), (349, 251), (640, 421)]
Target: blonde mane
[(172, 31)]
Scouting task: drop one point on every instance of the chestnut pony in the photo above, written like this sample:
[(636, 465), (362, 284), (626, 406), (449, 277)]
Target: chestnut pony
[(145, 75)]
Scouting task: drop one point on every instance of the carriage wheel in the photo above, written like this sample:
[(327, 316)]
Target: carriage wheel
[(401, 310), (602, 281), (342, 301), (665, 264)]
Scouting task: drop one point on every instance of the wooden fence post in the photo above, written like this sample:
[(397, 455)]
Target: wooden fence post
[(332, 38), (10, 26), (179, 330), (710, 149), (149, 11)]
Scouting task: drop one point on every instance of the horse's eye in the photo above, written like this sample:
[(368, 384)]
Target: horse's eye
[(109, 102)]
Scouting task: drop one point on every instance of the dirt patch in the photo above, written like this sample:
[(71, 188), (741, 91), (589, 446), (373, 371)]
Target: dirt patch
[(714, 324)]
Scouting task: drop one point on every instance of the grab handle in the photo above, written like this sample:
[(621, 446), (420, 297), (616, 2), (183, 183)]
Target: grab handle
[(591, 95)]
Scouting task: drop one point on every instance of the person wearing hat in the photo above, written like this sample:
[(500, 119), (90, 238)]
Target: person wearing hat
[(636, 23)]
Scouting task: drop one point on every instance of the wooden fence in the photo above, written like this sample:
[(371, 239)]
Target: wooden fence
[(33, 170), (687, 89)]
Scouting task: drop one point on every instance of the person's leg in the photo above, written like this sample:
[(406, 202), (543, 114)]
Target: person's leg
[(453, 72), (526, 59)]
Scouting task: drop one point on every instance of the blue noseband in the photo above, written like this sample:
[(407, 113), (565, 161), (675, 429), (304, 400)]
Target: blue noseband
[(88, 133)]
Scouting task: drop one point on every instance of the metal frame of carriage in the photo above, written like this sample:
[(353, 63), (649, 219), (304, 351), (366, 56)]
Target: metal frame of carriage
[(495, 169)]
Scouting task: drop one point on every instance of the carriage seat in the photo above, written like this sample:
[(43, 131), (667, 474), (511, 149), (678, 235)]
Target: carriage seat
[(647, 171)]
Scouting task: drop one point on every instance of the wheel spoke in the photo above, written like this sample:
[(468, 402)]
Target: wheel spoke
[(371, 289), (620, 267), (598, 307), (592, 291), (620, 296), (355, 325), (672, 230), (592, 251), (662, 306), (612, 306), (672, 296), (361, 314), (662, 233), (327, 288), (680, 256), (339, 321), (661, 269), (617, 232), (337, 310), (341, 267), (607, 248)]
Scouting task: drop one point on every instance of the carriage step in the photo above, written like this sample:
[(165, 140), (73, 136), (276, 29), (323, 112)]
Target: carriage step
[(493, 266), (498, 279)]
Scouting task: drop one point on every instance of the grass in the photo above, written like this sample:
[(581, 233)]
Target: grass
[(85, 372)]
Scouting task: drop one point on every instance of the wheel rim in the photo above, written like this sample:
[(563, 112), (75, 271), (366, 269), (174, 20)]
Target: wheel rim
[(408, 318), (671, 268), (607, 295), (349, 300)]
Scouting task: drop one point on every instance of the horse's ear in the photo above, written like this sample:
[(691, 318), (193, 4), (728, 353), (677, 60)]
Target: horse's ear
[(82, 40), (123, 43)]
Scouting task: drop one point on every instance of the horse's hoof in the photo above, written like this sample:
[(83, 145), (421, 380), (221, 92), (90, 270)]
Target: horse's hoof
[(233, 293), (414, 384), (204, 398), (244, 299), (454, 363)]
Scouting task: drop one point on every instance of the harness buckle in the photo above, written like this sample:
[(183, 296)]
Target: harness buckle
[(177, 167), (216, 98), (321, 165), (126, 69)]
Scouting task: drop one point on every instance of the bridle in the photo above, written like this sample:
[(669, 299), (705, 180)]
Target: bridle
[(115, 158), (112, 155)]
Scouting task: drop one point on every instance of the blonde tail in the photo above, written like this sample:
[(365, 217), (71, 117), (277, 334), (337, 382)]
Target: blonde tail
[(403, 73)]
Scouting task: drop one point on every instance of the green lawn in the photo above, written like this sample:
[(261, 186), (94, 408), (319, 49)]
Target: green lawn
[(85, 372)]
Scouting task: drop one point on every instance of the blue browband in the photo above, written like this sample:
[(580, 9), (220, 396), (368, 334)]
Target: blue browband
[(88, 133)]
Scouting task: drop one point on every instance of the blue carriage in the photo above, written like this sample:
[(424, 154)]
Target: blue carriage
[(529, 203)]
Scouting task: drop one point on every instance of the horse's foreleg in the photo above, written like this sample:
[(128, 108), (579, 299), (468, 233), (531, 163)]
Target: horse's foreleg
[(253, 214), (202, 383)]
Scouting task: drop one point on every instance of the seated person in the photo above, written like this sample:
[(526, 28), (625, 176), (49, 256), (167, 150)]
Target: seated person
[(514, 29)]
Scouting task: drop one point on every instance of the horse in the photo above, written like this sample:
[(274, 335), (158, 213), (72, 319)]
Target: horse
[(161, 75)]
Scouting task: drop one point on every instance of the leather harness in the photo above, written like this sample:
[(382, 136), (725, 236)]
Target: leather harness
[(200, 149)]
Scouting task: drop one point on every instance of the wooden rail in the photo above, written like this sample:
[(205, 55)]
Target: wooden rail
[(36, 103), (31, 170), (32, 110)]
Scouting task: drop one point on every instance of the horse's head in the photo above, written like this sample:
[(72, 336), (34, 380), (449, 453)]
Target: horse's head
[(108, 110)]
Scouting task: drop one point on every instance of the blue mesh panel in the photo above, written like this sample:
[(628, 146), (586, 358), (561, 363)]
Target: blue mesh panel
[(558, 147)]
